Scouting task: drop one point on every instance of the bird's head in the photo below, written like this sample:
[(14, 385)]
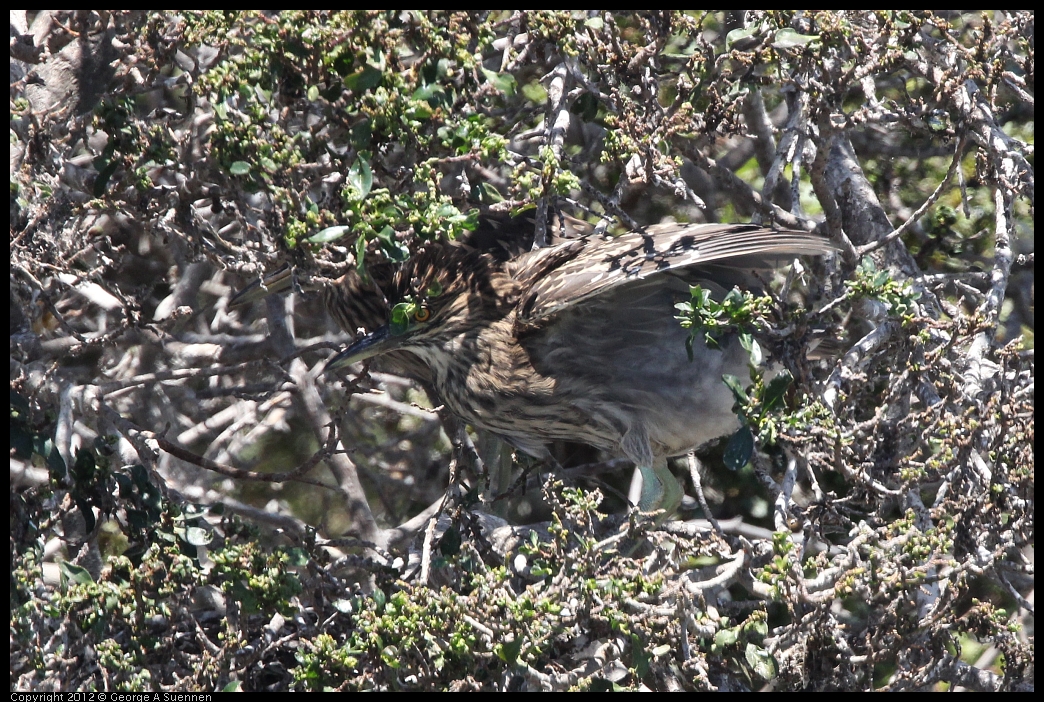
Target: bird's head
[(441, 293)]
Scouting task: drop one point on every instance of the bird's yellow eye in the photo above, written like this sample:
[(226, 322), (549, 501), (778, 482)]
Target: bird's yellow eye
[(422, 315)]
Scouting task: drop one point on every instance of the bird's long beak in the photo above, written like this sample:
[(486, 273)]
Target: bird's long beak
[(274, 282), (380, 341)]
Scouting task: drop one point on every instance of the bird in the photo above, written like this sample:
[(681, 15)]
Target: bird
[(577, 341)]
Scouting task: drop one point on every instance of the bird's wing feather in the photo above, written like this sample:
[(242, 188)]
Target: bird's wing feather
[(570, 273)]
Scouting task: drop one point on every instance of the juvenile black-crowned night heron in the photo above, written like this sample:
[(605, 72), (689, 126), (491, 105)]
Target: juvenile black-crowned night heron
[(574, 342)]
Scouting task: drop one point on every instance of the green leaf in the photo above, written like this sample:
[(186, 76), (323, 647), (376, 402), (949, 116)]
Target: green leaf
[(56, 464), (84, 466), (447, 211), (394, 249), (752, 347), (776, 389), (733, 298), (504, 82), (738, 35), (534, 92), (758, 628), (662, 650), (739, 449), (362, 134), (639, 657), (325, 236), (434, 289), (140, 476), (737, 389), (700, 297), (364, 79), (427, 91), (508, 651), (762, 662), (198, 537), (74, 573), (360, 257), (586, 106), (103, 178), (489, 195), (787, 38), (390, 656), (360, 180), (450, 544), (400, 316), (420, 111), (297, 556), (726, 637), (239, 168), (470, 221)]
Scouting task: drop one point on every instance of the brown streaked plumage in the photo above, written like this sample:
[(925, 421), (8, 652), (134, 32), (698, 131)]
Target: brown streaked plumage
[(578, 341), (355, 303)]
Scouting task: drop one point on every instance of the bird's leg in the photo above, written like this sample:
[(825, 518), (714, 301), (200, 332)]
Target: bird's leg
[(655, 488)]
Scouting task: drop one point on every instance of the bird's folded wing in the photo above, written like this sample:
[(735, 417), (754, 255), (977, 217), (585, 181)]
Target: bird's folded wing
[(575, 271)]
